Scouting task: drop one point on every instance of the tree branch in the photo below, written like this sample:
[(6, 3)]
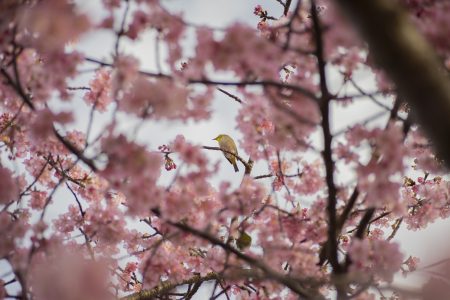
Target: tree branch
[(296, 88), (234, 97), (246, 164), (167, 286), (328, 138), (79, 154)]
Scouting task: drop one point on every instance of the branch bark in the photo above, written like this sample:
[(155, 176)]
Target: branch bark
[(332, 244), (166, 287)]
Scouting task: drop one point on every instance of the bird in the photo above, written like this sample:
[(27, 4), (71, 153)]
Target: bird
[(227, 143)]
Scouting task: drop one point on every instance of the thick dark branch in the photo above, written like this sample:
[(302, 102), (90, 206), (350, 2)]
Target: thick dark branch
[(23, 283), (348, 208), (320, 55), (340, 224), (328, 138), (361, 230), (409, 61), (287, 6), (249, 166), (193, 291), (365, 221), (382, 215)]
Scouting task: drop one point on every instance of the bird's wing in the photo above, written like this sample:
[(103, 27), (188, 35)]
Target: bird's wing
[(230, 157), (232, 161)]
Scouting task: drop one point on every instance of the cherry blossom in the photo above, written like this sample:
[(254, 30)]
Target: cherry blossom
[(9, 188), (376, 257), (100, 90), (60, 25), (131, 202)]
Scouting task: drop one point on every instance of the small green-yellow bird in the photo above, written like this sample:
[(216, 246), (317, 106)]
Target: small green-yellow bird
[(227, 143)]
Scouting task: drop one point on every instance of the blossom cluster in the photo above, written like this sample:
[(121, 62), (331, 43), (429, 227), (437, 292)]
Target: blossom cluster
[(87, 212)]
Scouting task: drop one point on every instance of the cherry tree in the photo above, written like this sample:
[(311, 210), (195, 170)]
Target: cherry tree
[(88, 214)]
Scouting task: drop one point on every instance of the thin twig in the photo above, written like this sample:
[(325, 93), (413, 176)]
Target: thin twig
[(234, 97)]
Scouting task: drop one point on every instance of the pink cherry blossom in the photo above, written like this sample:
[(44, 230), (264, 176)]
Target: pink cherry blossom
[(247, 198), (86, 279), (8, 186), (129, 167), (100, 90), (189, 153), (38, 199), (236, 50), (2, 290), (159, 99), (87, 210), (258, 10), (55, 22), (12, 231), (412, 263), (42, 125), (374, 257)]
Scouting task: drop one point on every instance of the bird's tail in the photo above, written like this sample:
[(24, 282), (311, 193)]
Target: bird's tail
[(235, 167)]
